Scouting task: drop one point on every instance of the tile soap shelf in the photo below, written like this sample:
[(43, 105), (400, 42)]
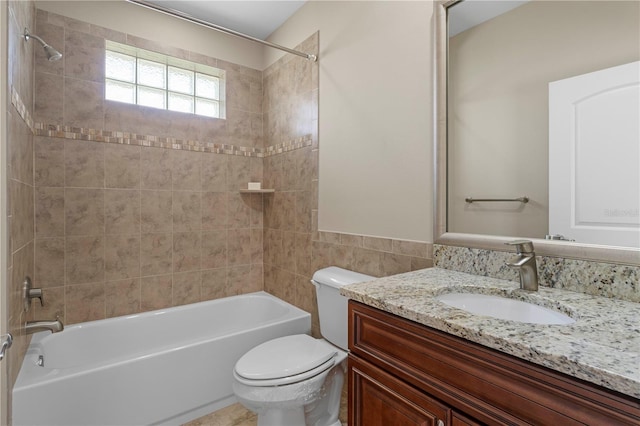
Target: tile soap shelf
[(257, 191)]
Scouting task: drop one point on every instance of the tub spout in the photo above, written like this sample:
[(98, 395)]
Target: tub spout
[(36, 326)]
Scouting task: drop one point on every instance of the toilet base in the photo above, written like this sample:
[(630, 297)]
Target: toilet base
[(281, 417)]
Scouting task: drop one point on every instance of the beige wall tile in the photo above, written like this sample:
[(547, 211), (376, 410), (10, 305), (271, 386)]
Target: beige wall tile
[(186, 251), (420, 263), (257, 245), (214, 249), (380, 244), (49, 161), (239, 210), (84, 211), (83, 103), (84, 56), (49, 262), (156, 254), (288, 262), (122, 211), (48, 105), (256, 203), (187, 211), (155, 292), (156, 211), (214, 284), (122, 257), (303, 212), (21, 207), (214, 172), (411, 248), (238, 172), (20, 151), (368, 262), (122, 297), (122, 166), (214, 210), (49, 210), (84, 302), (186, 287), (156, 165), (303, 255), (238, 247), (239, 280), (186, 170), (392, 264), (84, 164), (84, 259)]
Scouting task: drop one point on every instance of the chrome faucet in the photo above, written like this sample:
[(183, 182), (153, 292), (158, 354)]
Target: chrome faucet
[(525, 261), (35, 326)]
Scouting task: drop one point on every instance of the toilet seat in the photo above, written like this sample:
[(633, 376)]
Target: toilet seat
[(285, 360)]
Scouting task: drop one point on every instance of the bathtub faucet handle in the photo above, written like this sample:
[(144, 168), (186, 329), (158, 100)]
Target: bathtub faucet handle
[(28, 293), (36, 293)]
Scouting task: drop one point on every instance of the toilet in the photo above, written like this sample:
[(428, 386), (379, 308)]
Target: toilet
[(297, 380)]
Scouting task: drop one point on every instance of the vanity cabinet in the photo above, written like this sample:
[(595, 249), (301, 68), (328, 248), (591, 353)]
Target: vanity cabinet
[(404, 373)]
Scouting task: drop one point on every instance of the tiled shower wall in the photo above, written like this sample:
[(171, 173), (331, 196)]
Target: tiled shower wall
[(20, 182), (149, 221), (153, 217)]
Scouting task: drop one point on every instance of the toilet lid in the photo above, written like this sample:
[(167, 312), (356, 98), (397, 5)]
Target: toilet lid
[(285, 356)]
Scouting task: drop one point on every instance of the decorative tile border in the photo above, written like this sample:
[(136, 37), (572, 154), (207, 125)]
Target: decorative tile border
[(128, 138), (17, 103), (595, 278)]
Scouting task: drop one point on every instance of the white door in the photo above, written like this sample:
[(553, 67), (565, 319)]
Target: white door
[(594, 157)]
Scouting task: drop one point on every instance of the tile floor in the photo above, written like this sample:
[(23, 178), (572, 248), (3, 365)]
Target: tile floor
[(237, 415)]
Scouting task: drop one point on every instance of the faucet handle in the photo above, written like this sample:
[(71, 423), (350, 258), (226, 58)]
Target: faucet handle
[(36, 293), (522, 246)]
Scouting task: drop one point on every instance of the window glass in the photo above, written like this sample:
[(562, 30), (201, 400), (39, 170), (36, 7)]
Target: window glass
[(181, 103), (142, 77), (151, 97), (180, 80), (121, 92), (120, 67), (151, 74)]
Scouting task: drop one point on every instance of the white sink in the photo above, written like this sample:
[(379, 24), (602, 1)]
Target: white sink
[(504, 308)]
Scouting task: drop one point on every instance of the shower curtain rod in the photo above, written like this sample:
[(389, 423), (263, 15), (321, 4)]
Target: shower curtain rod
[(190, 18)]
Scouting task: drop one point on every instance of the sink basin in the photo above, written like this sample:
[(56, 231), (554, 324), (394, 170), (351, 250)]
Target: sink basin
[(504, 308)]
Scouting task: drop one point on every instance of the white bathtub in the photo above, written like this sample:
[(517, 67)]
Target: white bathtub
[(162, 367)]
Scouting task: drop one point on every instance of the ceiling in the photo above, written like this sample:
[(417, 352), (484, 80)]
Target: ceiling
[(257, 18), (470, 13)]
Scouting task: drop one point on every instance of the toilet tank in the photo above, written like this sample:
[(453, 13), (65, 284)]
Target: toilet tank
[(332, 307)]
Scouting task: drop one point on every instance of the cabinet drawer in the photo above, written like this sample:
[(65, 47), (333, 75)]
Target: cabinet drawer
[(487, 385)]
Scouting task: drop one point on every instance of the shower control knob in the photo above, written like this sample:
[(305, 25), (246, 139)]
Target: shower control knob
[(28, 293)]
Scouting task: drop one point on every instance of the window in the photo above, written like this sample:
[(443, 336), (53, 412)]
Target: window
[(142, 77)]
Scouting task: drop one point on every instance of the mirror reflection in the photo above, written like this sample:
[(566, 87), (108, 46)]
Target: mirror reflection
[(543, 103)]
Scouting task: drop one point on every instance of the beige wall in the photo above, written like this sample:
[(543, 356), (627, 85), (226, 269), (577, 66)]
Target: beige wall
[(375, 114), (129, 18), (499, 103)]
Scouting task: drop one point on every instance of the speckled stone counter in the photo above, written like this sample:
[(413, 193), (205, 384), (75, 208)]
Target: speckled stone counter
[(602, 346)]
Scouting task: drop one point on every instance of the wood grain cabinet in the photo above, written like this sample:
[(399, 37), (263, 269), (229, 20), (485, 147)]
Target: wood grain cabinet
[(403, 373)]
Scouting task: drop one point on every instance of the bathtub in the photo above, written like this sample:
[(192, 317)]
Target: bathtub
[(163, 367)]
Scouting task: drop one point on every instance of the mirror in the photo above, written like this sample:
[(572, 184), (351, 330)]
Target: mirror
[(492, 135)]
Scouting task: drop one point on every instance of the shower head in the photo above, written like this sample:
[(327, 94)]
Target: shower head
[(52, 54)]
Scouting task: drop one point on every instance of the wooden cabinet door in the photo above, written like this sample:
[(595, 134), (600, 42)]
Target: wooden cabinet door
[(379, 399)]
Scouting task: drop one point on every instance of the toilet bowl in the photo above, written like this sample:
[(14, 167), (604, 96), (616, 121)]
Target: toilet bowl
[(297, 380)]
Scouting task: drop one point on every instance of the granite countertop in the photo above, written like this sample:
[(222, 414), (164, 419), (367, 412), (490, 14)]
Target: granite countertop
[(601, 347)]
